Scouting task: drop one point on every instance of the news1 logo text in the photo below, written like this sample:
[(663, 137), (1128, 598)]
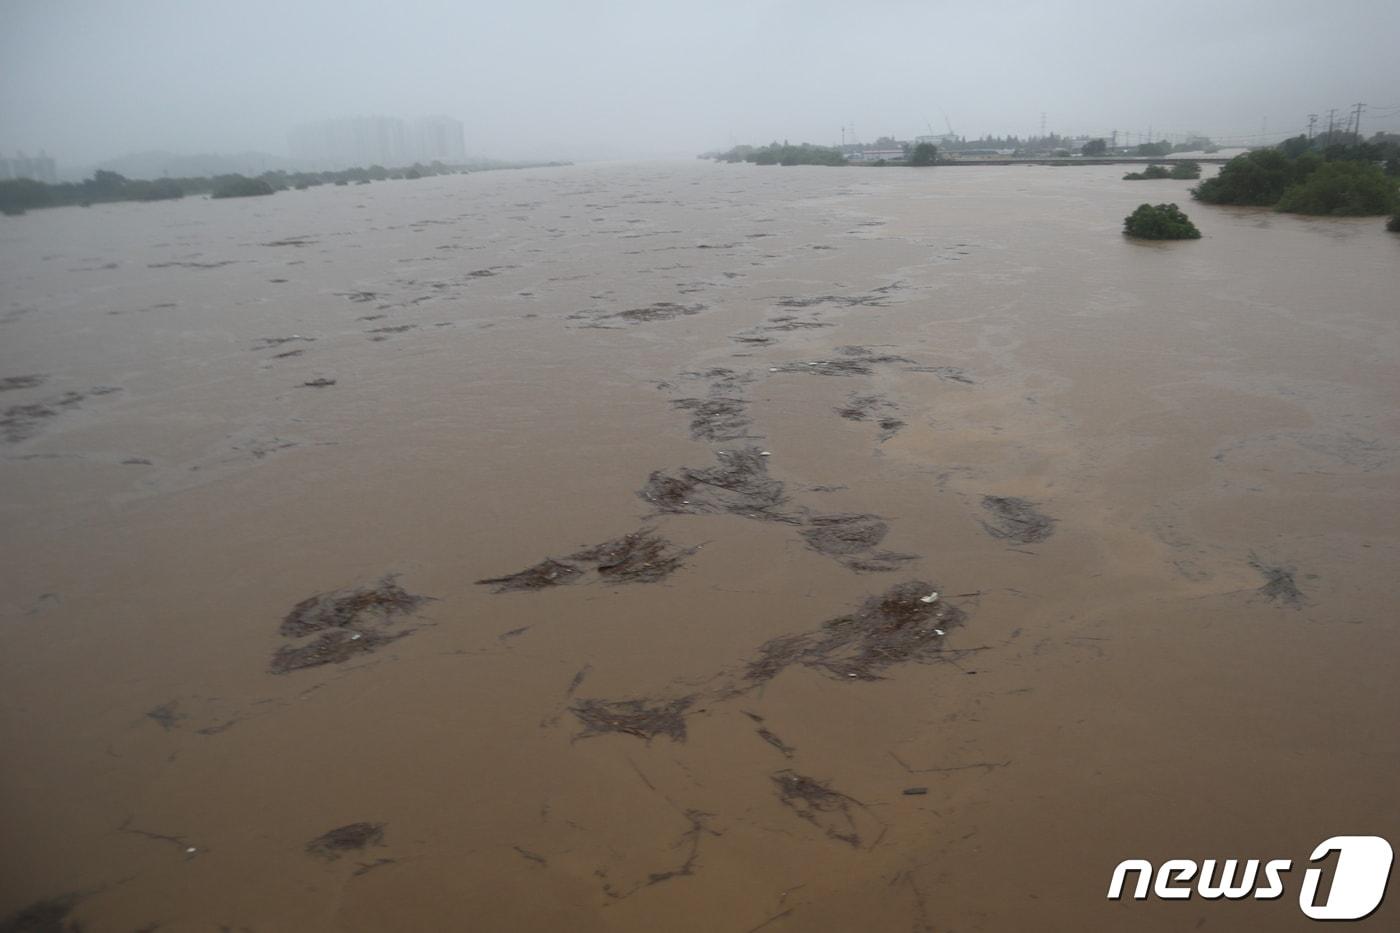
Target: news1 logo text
[(1358, 879)]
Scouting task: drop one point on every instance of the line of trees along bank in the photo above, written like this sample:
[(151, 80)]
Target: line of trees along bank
[(22, 194), (783, 154), (1298, 177)]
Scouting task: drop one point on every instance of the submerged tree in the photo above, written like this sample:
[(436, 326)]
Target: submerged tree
[(924, 154), (1160, 222)]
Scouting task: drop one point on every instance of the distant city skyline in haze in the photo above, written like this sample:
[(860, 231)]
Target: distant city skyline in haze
[(542, 79), (365, 141)]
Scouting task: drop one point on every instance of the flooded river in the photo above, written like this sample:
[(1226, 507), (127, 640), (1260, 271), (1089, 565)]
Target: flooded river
[(712, 431)]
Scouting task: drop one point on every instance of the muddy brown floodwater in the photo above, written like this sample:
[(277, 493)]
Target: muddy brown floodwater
[(708, 432)]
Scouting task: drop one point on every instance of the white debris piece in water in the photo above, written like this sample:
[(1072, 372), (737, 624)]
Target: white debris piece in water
[(765, 453), (930, 598), (939, 631)]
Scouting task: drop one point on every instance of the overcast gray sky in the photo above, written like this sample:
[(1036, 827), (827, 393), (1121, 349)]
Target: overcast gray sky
[(89, 80)]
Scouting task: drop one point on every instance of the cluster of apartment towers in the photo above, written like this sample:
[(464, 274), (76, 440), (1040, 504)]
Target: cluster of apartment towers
[(363, 141)]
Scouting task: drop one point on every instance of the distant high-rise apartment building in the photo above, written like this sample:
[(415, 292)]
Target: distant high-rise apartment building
[(39, 168), (354, 141), (439, 139), (387, 141)]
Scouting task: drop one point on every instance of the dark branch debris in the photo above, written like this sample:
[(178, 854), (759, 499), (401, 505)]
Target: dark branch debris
[(892, 628)]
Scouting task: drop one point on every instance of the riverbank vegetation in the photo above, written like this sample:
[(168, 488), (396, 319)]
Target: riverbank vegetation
[(783, 154), (23, 194), (1343, 189), (18, 195), (1160, 222), (240, 186), (924, 154), (1186, 171), (1300, 177)]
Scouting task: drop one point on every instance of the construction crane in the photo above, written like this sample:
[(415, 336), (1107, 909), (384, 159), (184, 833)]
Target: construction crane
[(933, 134)]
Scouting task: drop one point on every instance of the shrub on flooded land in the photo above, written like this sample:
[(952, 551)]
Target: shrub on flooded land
[(239, 186), (1186, 170), (1160, 222), (1393, 225), (1342, 189), (1151, 172)]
